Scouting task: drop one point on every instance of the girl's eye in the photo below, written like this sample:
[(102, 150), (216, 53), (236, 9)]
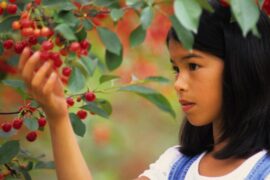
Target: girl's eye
[(175, 69), (193, 66)]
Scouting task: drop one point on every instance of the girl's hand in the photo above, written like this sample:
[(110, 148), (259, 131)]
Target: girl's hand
[(43, 85)]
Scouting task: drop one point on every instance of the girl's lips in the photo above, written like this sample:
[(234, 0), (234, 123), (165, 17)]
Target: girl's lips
[(187, 107)]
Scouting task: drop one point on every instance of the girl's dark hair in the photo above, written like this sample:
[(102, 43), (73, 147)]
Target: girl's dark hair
[(246, 86)]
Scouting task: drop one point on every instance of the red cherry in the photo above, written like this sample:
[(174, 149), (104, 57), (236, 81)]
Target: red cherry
[(66, 71), (266, 6), (18, 48), (33, 40), (8, 44), (1, 10), (56, 59), (45, 32), (47, 45), (17, 123), (15, 25), (12, 8), (6, 127), (25, 23), (90, 96), (63, 52), (31, 136), (12, 1), (74, 47), (79, 99), (70, 101), (37, 32), (82, 114), (27, 31), (44, 55), (38, 2), (224, 3), (42, 122), (85, 44)]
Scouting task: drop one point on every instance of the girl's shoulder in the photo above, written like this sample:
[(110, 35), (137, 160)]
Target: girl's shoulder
[(160, 169)]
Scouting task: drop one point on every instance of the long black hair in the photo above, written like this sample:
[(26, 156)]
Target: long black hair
[(246, 86)]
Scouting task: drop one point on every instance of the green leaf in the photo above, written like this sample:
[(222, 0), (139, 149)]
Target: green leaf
[(246, 13), (106, 3), (95, 108), (87, 24), (159, 79), (66, 32), (82, 68), (8, 151), (17, 84), (205, 4), (137, 36), (113, 61), (110, 40), (105, 78), (5, 24), (116, 14), (45, 165), (147, 17), (1, 48), (90, 64), (51, 3), (78, 126), (188, 13), (31, 123), (82, 34), (185, 36), (77, 80), (68, 18), (153, 96), (105, 105)]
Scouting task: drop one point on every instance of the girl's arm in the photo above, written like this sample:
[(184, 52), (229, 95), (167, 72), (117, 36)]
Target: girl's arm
[(46, 88)]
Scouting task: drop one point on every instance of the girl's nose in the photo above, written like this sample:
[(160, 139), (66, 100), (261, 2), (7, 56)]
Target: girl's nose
[(180, 84)]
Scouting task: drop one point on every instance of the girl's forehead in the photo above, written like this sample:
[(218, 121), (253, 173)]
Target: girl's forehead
[(177, 51)]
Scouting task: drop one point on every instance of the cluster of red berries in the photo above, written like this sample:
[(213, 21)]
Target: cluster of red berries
[(88, 96), (17, 124), (10, 7)]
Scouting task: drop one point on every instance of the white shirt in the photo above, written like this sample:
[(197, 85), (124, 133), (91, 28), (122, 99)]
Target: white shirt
[(160, 169)]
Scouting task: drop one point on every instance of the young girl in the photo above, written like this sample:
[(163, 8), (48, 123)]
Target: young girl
[(224, 88)]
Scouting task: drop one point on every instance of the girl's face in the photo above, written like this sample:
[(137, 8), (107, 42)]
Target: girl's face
[(198, 81)]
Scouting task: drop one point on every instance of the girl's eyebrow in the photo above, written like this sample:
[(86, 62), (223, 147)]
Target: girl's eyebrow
[(188, 56)]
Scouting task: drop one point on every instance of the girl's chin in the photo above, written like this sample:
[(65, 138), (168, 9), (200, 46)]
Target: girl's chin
[(197, 122)]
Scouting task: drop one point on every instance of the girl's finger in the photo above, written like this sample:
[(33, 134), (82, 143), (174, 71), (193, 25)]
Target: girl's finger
[(40, 76), (23, 58), (49, 85), (29, 67)]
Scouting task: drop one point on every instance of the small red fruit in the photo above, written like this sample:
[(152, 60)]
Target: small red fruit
[(47, 45), (16, 25), (70, 101), (33, 40), (85, 44), (66, 71), (37, 32), (6, 127), (31, 136), (1, 10), (12, 1), (8, 44), (27, 31), (25, 23), (17, 123), (38, 2), (74, 47), (18, 48), (42, 122), (12, 8), (79, 99), (90, 96), (45, 32), (44, 55), (82, 114)]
